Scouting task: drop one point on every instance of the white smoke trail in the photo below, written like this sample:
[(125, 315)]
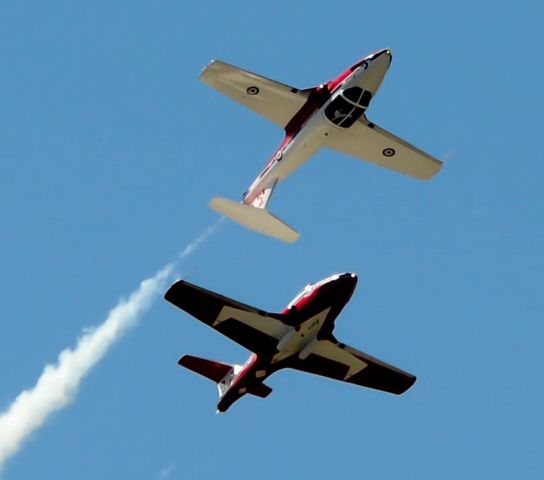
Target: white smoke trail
[(58, 384)]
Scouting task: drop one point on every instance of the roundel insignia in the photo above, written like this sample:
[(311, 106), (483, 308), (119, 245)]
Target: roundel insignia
[(388, 152), (253, 90)]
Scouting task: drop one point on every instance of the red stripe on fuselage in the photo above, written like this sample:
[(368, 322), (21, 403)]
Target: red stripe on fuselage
[(332, 85)]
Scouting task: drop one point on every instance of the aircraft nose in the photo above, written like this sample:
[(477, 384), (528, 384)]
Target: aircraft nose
[(349, 275), (377, 68), (347, 283), (382, 57)]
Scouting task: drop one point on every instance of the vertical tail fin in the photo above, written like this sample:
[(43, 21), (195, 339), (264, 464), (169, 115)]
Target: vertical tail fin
[(261, 200)]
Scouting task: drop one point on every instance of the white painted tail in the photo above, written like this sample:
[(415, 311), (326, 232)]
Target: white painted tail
[(261, 201), (256, 219)]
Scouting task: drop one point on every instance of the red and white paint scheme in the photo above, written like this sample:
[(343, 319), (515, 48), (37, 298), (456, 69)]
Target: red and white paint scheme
[(300, 337), (331, 115)]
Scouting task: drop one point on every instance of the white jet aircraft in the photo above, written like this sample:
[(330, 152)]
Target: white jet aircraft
[(330, 115)]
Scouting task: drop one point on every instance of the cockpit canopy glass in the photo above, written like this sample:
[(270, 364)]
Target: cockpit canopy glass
[(358, 95), (348, 106)]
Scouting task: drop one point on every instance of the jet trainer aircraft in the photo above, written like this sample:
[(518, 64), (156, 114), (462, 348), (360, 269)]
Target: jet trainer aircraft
[(300, 337), (330, 115)]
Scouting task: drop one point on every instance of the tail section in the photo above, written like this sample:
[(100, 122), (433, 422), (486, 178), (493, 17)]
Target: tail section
[(261, 200), (224, 375), (215, 371), (256, 219)]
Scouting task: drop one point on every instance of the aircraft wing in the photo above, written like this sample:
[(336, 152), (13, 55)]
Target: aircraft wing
[(273, 100), (252, 328), (342, 362), (367, 141)]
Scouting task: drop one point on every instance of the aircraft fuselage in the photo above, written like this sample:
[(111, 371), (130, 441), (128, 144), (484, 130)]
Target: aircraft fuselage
[(311, 317), (327, 112)]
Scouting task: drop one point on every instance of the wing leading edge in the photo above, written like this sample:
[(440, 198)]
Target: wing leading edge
[(342, 362)]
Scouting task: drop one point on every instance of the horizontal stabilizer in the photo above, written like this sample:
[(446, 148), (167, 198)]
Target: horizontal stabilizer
[(207, 368), (256, 219), (261, 390)]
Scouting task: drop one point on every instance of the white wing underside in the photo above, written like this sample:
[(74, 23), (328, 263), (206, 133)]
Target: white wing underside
[(366, 141), (273, 100)]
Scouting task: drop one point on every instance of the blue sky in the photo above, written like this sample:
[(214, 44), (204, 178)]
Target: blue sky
[(110, 149)]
